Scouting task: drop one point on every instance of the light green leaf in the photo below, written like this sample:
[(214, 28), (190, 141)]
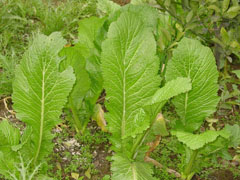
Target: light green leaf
[(129, 67), (189, 16), (233, 11), (107, 7), (123, 168), (237, 72), (171, 89), (235, 134), (9, 137), (224, 35), (159, 126), (214, 7), (195, 61), (148, 15), (197, 141), (40, 91), (88, 29), (225, 5), (95, 74), (74, 59)]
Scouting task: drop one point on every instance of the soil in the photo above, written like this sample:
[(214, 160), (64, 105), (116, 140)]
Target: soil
[(122, 2), (222, 174)]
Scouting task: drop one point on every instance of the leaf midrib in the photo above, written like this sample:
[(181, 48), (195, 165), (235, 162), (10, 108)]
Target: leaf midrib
[(42, 116)]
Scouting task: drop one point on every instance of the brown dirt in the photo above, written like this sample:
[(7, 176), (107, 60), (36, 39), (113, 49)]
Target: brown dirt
[(122, 2), (222, 175)]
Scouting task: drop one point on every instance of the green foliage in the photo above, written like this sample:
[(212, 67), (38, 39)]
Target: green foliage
[(7, 66), (128, 64), (107, 7), (235, 135), (130, 68), (20, 19), (169, 90), (123, 168), (129, 52), (9, 137), (75, 100), (40, 92), (197, 141), (83, 57), (198, 65)]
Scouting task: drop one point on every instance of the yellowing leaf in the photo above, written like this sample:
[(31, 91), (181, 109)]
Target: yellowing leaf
[(98, 116), (88, 173), (75, 175)]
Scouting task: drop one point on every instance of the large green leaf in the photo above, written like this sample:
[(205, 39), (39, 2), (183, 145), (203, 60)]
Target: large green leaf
[(235, 134), (73, 58), (197, 141), (107, 7), (9, 137), (148, 15), (8, 134), (171, 89), (123, 168), (88, 29), (40, 91), (195, 61), (129, 68)]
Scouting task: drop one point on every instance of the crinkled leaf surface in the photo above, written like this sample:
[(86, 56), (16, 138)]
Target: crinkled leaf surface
[(148, 15), (171, 89), (129, 68), (40, 91), (122, 168), (196, 141), (107, 7), (9, 137), (193, 60)]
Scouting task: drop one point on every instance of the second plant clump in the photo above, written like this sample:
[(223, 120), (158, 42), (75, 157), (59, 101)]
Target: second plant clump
[(117, 53)]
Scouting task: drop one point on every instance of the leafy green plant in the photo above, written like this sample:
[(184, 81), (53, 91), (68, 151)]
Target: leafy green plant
[(40, 92), (130, 72), (84, 58), (195, 105)]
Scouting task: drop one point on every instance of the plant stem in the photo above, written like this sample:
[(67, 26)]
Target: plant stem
[(76, 120), (188, 169), (138, 143), (140, 140)]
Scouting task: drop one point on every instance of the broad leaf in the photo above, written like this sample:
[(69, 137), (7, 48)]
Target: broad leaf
[(123, 168), (129, 68), (197, 141), (107, 7), (171, 89), (195, 61), (40, 91), (148, 15), (235, 134), (237, 72), (88, 29), (74, 59), (9, 137)]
